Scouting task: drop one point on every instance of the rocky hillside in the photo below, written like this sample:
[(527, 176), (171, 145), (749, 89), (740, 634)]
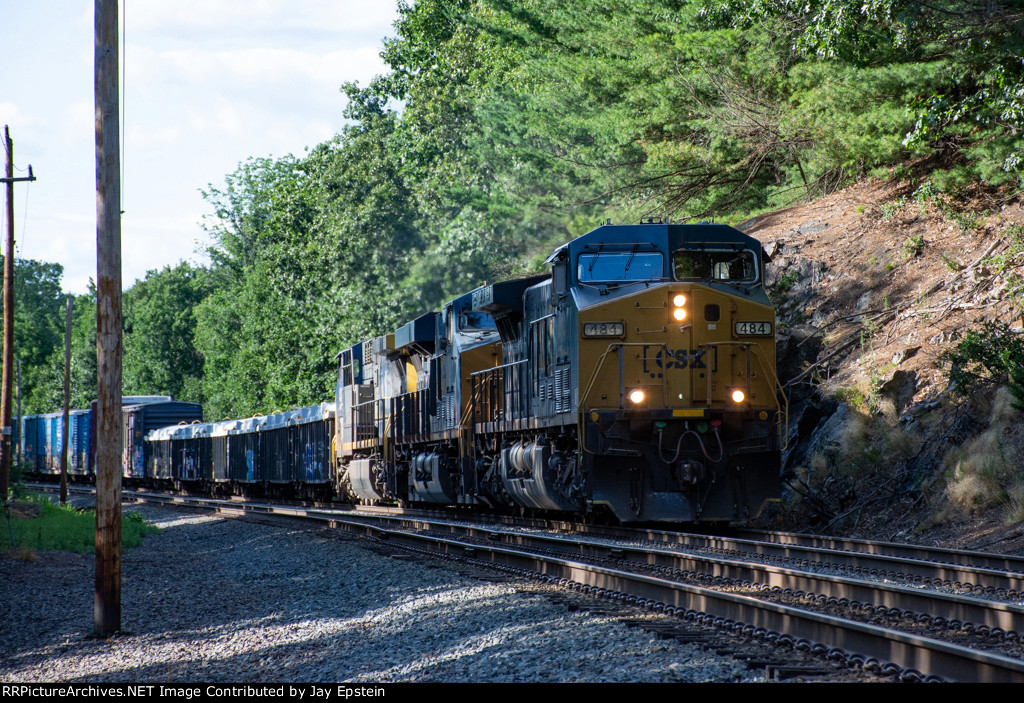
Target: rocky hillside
[(876, 286)]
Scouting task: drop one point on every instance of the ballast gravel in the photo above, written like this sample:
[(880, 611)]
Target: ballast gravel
[(222, 600)]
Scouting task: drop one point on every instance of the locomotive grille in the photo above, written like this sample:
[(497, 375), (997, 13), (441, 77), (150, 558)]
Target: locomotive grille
[(447, 411), (563, 391)]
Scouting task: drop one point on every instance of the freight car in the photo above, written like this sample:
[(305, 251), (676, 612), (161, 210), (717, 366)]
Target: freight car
[(41, 442), (636, 378), (282, 454)]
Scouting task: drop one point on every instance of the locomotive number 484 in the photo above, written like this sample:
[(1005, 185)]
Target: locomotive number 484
[(753, 328)]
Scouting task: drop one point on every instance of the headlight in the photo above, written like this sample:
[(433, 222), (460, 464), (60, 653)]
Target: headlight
[(637, 396), (678, 306), (738, 396)]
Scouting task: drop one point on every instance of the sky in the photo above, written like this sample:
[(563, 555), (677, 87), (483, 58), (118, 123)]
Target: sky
[(206, 85)]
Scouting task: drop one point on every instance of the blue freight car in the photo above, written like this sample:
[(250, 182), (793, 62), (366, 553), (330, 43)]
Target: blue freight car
[(144, 415), (33, 455), (287, 453)]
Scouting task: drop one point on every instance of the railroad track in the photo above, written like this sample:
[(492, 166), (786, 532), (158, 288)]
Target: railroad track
[(916, 618)]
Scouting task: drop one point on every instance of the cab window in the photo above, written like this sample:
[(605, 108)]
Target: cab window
[(725, 265), (620, 266)]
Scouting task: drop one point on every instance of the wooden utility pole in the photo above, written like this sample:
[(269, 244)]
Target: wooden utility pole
[(21, 429), (5, 389), (66, 432), (107, 603)]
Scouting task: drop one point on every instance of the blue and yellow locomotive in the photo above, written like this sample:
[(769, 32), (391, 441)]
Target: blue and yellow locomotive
[(638, 376)]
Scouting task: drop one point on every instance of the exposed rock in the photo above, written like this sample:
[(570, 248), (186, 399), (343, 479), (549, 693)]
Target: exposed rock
[(900, 388), (841, 262), (812, 227), (904, 354)]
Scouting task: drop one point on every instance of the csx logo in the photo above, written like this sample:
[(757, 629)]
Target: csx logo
[(664, 359)]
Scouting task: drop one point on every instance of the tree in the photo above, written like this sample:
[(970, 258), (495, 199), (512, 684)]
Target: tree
[(39, 312), (160, 356), (970, 112)]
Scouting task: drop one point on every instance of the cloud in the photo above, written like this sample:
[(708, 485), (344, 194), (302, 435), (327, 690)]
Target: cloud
[(173, 16), (238, 71), (13, 116), (79, 122), (208, 84)]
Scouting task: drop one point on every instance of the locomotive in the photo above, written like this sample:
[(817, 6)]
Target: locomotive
[(635, 378)]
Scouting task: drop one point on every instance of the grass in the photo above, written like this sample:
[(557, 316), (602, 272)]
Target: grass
[(38, 524), (984, 471)]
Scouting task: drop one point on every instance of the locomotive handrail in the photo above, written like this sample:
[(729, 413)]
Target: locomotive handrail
[(600, 362), (770, 372), (495, 368), (495, 371)]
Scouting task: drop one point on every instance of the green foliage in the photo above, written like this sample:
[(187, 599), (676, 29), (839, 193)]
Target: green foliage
[(64, 528), (785, 282), (39, 326), (951, 264), (913, 246), (853, 397), (159, 333), (1013, 257), (890, 209), (994, 354), (972, 108), (83, 349)]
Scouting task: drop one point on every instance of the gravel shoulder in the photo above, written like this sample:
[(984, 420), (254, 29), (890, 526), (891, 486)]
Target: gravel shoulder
[(214, 599)]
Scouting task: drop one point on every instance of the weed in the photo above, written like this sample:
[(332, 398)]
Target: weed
[(872, 260), (785, 283), (967, 221), (890, 209), (875, 383), (926, 192), (868, 332), (913, 246), (993, 354), (1015, 290), (797, 317), (983, 472), (25, 554), (851, 396), (1015, 505), (951, 263), (1011, 258)]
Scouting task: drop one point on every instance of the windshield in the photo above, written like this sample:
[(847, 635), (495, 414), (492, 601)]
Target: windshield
[(476, 321), (620, 266), (728, 266)]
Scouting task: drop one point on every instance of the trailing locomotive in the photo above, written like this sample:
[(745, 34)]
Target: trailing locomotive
[(638, 377)]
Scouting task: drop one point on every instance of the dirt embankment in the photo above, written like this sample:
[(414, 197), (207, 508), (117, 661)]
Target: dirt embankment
[(874, 286)]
